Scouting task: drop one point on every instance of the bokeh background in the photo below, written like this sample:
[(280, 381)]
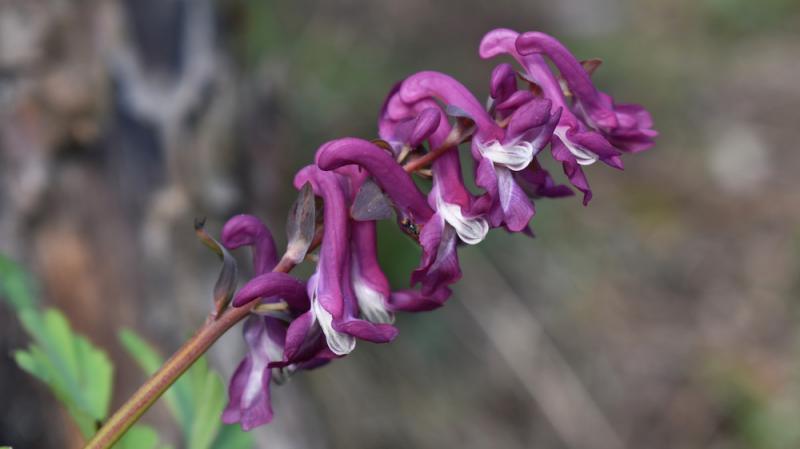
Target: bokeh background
[(664, 315)]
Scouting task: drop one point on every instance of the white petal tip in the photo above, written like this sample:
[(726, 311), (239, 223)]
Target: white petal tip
[(471, 230), (514, 156), (582, 155), (339, 342)]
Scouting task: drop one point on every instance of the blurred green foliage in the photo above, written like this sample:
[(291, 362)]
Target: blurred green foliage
[(758, 417), (80, 375), (737, 17)]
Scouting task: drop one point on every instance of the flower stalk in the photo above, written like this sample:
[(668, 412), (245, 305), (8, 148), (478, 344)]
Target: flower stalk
[(183, 359)]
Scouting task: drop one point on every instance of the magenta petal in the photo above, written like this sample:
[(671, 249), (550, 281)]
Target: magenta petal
[(274, 285), (424, 125), (571, 168), (515, 100), (485, 176), (334, 249), (533, 114), (249, 398), (304, 341), (537, 182), (261, 413), (299, 338), (410, 131), (368, 290), (429, 84), (364, 330), (366, 254), (517, 208), (497, 42), (598, 145), (503, 82), (439, 265), (247, 230), (634, 133), (573, 72), (385, 171), (502, 41), (415, 301)]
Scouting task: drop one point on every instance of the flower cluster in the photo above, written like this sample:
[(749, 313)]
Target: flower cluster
[(424, 120)]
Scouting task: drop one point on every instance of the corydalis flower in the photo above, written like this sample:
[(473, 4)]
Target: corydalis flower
[(498, 151), (590, 128), (333, 303), (368, 282), (300, 325), (249, 389), (449, 197), (454, 206), (410, 204), (505, 99)]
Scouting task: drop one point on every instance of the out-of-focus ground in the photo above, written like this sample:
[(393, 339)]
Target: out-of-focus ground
[(664, 315)]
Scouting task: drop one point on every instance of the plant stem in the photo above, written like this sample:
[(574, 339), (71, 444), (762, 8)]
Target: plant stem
[(193, 349), (457, 135)]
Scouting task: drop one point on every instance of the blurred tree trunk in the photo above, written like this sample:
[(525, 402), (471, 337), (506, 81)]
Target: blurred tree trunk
[(115, 120)]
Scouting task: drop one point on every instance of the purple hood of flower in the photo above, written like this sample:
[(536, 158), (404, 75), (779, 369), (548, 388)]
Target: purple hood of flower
[(397, 184), (247, 230)]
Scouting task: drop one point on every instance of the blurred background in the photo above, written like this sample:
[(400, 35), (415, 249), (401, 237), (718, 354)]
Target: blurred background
[(664, 315)]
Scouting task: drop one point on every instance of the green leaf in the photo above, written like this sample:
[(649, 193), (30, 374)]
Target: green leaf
[(79, 374), (96, 377), (15, 285), (206, 423), (138, 437), (145, 356), (233, 437)]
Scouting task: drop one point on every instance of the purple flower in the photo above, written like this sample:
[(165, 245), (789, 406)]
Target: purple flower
[(370, 285), (391, 178), (348, 297), (627, 126), (277, 286), (249, 401), (589, 129), (368, 282), (247, 230), (449, 197), (249, 390), (333, 304), (407, 129), (409, 203), (498, 152), (506, 98), (454, 205), (415, 301)]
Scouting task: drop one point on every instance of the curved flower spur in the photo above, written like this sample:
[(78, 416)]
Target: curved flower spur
[(295, 324)]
